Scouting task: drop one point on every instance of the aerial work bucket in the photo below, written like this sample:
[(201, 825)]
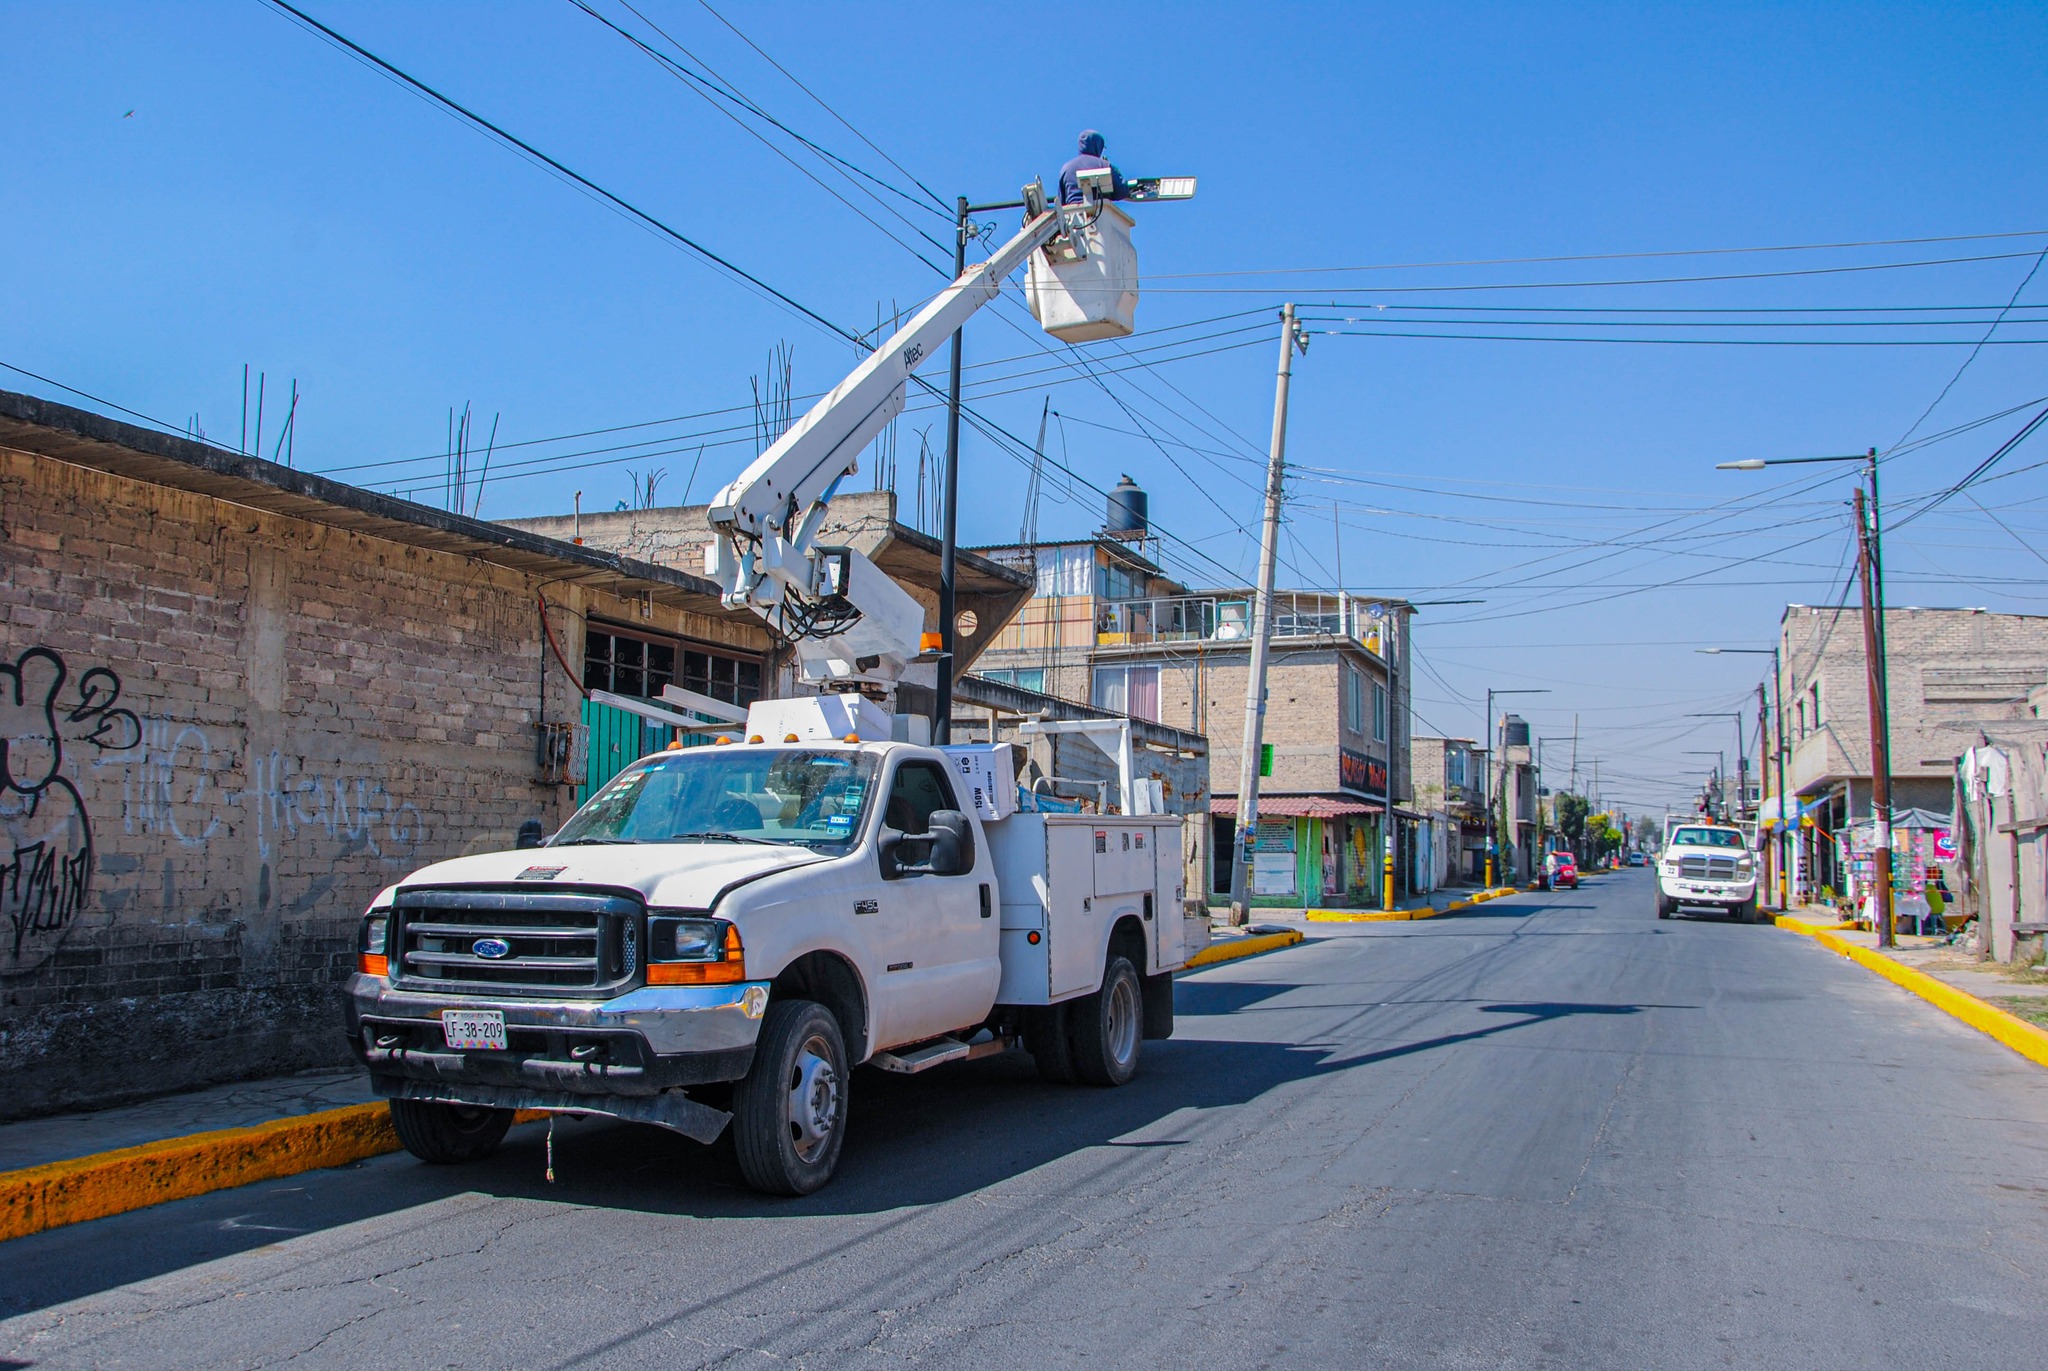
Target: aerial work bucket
[(1081, 301)]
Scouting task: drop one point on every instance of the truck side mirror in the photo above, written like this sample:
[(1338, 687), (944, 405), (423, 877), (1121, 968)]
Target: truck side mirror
[(531, 834), (952, 843)]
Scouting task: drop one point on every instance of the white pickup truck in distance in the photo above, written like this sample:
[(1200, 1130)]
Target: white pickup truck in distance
[(1707, 864), (723, 932)]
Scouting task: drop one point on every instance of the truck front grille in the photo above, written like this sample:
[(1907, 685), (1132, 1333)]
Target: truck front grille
[(519, 942), (1707, 868)]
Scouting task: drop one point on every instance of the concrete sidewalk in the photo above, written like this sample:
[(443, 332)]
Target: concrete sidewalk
[(64, 1137)]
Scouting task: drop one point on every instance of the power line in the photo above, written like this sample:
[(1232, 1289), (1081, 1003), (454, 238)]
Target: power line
[(1607, 256), (623, 206), (1584, 285), (1976, 350), (939, 204)]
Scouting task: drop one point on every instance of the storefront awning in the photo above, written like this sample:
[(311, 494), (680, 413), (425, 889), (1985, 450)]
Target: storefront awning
[(1297, 807)]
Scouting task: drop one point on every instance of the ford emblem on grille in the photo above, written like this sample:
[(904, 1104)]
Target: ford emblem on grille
[(492, 948)]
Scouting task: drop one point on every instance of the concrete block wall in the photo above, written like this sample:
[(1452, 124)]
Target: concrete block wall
[(1950, 672), (223, 732)]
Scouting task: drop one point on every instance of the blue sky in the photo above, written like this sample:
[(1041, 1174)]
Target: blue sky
[(273, 202)]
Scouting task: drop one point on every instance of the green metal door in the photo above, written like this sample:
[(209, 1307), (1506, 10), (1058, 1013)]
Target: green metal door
[(616, 739)]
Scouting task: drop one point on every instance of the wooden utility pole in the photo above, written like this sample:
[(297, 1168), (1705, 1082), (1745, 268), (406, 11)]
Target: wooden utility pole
[(1246, 841), (1880, 736)]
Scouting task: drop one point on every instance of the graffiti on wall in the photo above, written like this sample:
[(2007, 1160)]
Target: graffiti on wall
[(46, 837), (177, 785)]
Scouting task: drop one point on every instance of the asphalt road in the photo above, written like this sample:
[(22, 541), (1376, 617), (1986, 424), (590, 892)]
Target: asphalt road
[(1551, 1131)]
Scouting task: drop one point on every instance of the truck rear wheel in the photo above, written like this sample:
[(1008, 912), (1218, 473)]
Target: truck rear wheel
[(1105, 1028), (445, 1134), (789, 1112)]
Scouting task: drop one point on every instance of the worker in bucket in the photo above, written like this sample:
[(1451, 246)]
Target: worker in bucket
[(1090, 159)]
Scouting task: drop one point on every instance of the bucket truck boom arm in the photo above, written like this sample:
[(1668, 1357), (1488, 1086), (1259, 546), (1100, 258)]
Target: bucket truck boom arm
[(849, 621)]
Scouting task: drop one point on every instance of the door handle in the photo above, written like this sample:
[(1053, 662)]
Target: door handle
[(986, 912)]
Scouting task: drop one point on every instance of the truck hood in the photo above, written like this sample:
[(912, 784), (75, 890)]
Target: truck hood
[(667, 875)]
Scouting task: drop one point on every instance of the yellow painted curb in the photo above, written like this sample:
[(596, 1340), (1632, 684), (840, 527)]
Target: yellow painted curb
[(1243, 947), (2016, 1033), (1371, 916), (80, 1189)]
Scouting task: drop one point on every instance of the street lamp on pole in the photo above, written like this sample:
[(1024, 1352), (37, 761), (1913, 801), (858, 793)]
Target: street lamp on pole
[(1870, 562), (1741, 754), (1777, 760), (1720, 756), (1493, 749)]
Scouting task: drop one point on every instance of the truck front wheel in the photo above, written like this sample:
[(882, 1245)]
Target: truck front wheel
[(445, 1134), (1665, 908), (789, 1112), (1105, 1028)]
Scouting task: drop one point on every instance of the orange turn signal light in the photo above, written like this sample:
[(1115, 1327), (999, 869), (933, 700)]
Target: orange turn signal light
[(373, 964), (930, 642), (1032, 938), (695, 973)]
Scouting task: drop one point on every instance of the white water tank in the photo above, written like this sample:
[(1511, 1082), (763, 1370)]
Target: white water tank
[(1095, 297)]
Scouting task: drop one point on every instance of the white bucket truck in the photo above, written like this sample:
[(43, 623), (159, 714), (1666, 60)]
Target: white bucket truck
[(722, 933)]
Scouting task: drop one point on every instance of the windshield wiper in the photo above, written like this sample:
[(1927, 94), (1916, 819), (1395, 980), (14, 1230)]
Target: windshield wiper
[(708, 837), (597, 842)]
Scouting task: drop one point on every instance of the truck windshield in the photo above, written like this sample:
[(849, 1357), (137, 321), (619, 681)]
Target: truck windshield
[(730, 794), (1706, 837)]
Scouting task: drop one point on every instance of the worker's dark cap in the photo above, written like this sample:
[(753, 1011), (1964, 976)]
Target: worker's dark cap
[(1092, 142)]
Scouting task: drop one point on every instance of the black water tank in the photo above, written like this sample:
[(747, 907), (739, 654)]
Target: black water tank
[(1126, 510)]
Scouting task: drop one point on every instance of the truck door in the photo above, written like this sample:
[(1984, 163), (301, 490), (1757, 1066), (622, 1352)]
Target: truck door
[(937, 937)]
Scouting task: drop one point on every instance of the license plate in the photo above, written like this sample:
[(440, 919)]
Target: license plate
[(474, 1029)]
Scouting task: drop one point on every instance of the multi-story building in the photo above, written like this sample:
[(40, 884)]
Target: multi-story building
[(1450, 785), (1950, 673), (1514, 788), (1106, 626)]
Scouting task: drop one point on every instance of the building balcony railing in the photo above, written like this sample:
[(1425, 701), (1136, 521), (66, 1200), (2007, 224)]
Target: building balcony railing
[(1228, 619)]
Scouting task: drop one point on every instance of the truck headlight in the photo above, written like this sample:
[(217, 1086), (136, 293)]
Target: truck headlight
[(1671, 868), (373, 955), (693, 951), (1745, 867)]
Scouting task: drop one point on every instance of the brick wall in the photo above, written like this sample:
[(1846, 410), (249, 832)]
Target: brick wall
[(1951, 671), (223, 732)]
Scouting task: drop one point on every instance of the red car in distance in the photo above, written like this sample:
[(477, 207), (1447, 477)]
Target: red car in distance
[(1560, 871)]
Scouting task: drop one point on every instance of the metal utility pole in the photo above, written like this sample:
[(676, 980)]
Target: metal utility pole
[(1880, 730), (949, 482), (949, 523), (1246, 840), (1870, 561)]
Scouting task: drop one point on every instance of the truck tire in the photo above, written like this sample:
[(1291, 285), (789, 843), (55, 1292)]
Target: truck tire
[(1052, 1051), (1745, 912), (789, 1111), (1106, 1028), (446, 1134), (1665, 908)]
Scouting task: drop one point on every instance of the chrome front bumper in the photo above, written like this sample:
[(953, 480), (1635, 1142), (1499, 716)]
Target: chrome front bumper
[(1707, 892), (669, 1019)]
